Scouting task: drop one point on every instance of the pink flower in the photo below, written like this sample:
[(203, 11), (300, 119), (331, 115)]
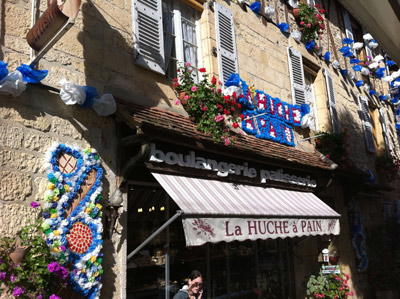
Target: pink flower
[(302, 23), (308, 25), (328, 156), (194, 88), (187, 64), (177, 102), (187, 97), (227, 141), (219, 117), (204, 108)]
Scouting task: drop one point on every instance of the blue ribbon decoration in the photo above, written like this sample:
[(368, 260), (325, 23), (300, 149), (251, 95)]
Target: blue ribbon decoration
[(91, 93), (30, 75), (255, 7), (347, 41), (327, 56), (283, 27), (3, 70)]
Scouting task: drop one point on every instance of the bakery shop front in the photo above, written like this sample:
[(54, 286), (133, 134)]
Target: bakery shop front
[(234, 218)]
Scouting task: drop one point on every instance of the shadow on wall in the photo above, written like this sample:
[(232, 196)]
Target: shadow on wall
[(108, 59)]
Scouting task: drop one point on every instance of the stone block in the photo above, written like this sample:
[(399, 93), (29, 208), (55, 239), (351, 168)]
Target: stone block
[(15, 186), (111, 15), (93, 49), (40, 186), (25, 116), (57, 73), (63, 127), (118, 61), (15, 59), (17, 19), (118, 38), (70, 43), (13, 217), (36, 142), (16, 44), (57, 56), (6, 132), (20, 161)]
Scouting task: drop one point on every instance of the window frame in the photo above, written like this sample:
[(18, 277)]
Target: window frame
[(177, 19)]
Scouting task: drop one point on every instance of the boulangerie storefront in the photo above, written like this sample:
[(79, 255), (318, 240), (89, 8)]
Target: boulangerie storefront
[(234, 220)]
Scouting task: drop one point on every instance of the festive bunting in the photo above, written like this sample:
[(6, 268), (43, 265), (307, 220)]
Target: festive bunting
[(255, 7), (327, 56), (30, 75), (347, 41), (283, 26)]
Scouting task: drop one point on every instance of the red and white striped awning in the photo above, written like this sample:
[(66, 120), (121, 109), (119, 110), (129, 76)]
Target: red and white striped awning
[(217, 211)]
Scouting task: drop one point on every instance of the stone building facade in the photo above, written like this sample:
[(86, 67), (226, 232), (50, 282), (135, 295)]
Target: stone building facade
[(99, 51)]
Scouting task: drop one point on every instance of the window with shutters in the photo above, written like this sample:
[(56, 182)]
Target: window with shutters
[(302, 78), (385, 131), (366, 119), (330, 89), (166, 33), (226, 42), (181, 36)]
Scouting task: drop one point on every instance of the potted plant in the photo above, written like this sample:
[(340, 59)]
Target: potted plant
[(27, 268), (311, 23), (206, 104), (329, 286), (335, 147)]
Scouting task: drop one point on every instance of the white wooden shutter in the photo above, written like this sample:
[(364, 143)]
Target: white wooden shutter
[(226, 44), (368, 50), (366, 120), (385, 131), (148, 34), (297, 76), (347, 24), (332, 101)]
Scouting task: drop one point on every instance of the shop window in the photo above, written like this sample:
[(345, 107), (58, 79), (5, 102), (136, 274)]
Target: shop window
[(230, 270), (226, 42), (166, 33)]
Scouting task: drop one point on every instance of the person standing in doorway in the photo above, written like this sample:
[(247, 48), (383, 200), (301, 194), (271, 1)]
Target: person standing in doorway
[(194, 288)]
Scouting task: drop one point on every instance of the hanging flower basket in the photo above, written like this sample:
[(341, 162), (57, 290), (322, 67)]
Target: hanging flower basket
[(296, 12)]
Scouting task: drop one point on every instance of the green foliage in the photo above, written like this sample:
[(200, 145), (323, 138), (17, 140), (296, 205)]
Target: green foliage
[(335, 148), (31, 274), (205, 104), (311, 21), (330, 286)]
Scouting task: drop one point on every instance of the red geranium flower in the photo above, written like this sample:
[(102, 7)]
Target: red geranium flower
[(213, 80), (235, 125), (202, 70)]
